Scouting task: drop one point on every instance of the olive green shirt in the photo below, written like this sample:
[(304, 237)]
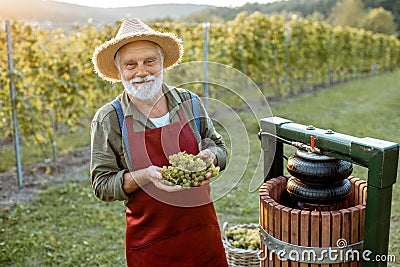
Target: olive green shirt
[(109, 160)]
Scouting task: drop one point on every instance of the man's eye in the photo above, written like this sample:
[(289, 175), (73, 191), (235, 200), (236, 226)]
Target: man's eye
[(129, 65)]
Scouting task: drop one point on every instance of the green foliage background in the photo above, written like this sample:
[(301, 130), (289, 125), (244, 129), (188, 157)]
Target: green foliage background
[(57, 90)]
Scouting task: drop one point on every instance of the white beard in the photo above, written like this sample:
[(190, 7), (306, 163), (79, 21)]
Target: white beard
[(146, 91)]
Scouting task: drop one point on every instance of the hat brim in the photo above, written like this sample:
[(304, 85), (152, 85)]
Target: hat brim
[(103, 56)]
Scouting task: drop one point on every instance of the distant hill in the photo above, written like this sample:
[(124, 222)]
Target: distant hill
[(57, 14), (299, 7)]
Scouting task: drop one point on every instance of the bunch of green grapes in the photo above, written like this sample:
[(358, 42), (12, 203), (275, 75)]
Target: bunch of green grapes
[(189, 162), (244, 238), (187, 170)]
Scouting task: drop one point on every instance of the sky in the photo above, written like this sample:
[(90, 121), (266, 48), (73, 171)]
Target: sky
[(125, 3)]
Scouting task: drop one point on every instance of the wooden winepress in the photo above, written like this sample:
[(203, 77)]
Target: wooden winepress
[(350, 230)]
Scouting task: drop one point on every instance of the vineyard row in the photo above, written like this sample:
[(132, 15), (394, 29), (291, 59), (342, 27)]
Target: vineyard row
[(57, 89)]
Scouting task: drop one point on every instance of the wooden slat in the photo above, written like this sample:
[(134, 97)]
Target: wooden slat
[(267, 226), (354, 232), (361, 208), (363, 193), (295, 233), (268, 186), (264, 225), (315, 231), (277, 229), (263, 220), (286, 230), (265, 201), (282, 186), (270, 229), (336, 223), (264, 191), (325, 231), (274, 192), (358, 197), (346, 229), (263, 187), (353, 194), (355, 222), (304, 231)]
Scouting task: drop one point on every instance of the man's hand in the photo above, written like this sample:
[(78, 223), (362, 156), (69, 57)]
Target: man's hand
[(207, 153), (156, 178), (134, 180)]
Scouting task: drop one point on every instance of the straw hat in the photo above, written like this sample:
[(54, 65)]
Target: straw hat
[(134, 30)]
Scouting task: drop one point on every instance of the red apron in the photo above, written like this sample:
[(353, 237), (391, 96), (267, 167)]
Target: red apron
[(169, 229)]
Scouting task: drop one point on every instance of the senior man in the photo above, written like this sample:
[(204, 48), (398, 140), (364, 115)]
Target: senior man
[(134, 135)]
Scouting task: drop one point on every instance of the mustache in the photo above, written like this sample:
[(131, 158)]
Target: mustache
[(143, 79)]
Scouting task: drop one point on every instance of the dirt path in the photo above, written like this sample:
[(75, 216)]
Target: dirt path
[(38, 177)]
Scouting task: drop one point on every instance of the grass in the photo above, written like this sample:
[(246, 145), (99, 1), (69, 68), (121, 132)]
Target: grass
[(67, 226)]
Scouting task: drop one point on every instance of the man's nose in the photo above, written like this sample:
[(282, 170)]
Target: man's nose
[(141, 70)]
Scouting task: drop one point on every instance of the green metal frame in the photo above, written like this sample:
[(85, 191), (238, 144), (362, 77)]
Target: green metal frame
[(380, 157)]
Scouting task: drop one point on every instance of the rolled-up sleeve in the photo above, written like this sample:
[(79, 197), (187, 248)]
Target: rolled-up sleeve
[(213, 141), (107, 160)]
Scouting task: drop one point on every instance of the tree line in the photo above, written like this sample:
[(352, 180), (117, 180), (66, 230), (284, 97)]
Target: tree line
[(381, 16)]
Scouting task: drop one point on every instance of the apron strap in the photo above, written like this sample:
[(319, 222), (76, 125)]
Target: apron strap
[(122, 125), (196, 111)]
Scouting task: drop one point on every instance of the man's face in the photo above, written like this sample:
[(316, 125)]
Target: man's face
[(141, 69)]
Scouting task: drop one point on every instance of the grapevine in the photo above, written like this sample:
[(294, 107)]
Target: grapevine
[(187, 170), (57, 90)]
